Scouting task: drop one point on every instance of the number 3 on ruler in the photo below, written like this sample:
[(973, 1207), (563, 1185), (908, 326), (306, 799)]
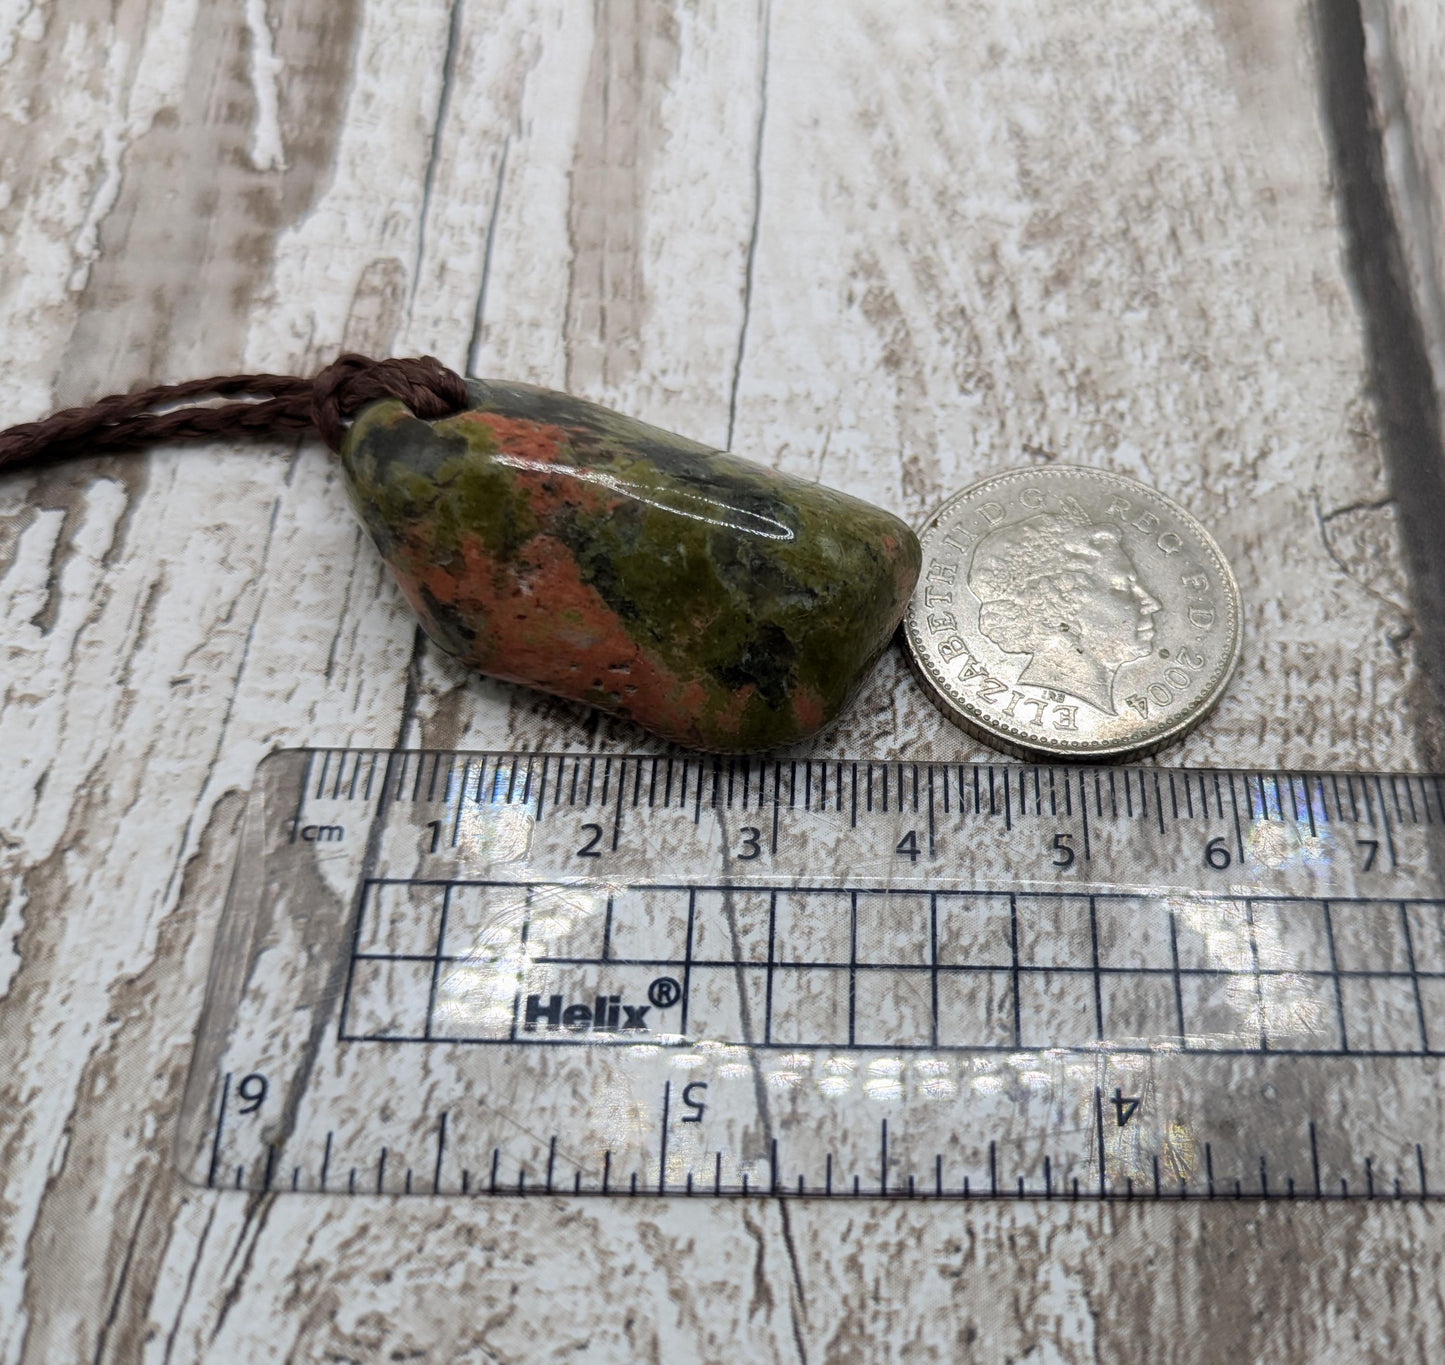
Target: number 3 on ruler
[(751, 846)]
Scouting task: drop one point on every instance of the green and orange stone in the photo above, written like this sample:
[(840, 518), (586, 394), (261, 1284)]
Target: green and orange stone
[(548, 541)]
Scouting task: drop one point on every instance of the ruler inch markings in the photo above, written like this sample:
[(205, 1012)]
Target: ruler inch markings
[(436, 1180)]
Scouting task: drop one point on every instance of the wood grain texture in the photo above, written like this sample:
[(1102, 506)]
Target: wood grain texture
[(894, 250), (1407, 50)]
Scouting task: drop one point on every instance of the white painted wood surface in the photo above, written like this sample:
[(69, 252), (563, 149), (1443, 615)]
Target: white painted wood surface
[(892, 246)]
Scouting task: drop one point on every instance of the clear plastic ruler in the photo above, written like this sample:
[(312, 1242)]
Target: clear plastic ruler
[(472, 974)]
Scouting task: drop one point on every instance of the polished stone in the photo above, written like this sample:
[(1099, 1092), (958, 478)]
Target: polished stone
[(549, 541)]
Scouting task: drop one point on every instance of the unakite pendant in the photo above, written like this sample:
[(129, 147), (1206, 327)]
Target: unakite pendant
[(548, 541)]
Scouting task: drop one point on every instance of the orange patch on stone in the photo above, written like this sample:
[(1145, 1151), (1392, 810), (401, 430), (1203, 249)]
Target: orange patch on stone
[(548, 483), (808, 710), (538, 441), (539, 624)]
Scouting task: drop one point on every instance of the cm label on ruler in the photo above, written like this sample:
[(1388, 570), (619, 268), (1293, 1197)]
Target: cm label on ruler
[(533, 971)]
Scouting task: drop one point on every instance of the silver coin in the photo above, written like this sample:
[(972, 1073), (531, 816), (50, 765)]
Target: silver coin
[(1071, 613)]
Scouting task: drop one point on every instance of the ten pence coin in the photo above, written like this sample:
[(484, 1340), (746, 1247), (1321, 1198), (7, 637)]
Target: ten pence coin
[(1071, 613)]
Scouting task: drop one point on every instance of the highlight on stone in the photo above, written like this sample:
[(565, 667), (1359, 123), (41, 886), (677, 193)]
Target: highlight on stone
[(549, 541)]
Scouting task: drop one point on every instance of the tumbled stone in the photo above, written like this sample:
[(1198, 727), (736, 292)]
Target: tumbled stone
[(549, 541)]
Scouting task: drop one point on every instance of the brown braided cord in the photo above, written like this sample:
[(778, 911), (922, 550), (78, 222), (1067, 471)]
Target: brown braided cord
[(273, 404)]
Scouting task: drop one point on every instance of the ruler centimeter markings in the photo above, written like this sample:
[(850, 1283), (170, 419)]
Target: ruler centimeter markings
[(465, 973)]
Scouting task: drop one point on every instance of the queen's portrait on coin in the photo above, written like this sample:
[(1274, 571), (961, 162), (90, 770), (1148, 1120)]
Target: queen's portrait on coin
[(1064, 591)]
